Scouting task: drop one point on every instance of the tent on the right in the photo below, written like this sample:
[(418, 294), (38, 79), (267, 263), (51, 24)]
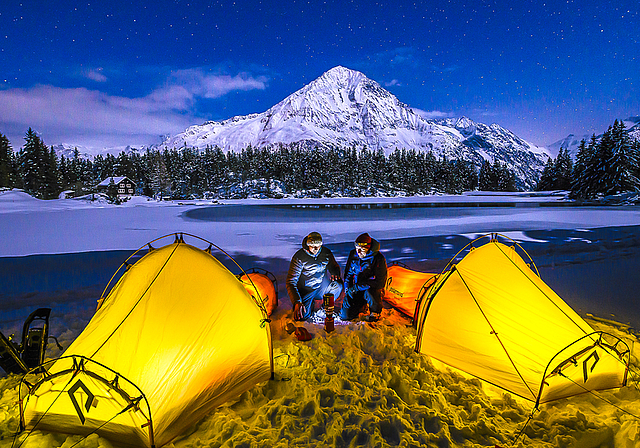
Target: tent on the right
[(491, 316)]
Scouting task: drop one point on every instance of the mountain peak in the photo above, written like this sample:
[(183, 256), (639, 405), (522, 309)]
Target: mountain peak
[(340, 71), (338, 77), (466, 126)]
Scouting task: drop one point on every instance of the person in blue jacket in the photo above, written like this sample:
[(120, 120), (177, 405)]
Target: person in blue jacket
[(365, 276), (313, 272)]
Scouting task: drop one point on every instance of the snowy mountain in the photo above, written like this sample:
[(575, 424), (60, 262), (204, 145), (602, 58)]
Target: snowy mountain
[(633, 126), (344, 108), (570, 142), (84, 152)]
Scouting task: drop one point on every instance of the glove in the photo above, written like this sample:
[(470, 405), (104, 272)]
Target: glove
[(298, 311)]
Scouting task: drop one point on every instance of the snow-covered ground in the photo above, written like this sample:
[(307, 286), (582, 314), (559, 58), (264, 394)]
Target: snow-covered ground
[(361, 385)]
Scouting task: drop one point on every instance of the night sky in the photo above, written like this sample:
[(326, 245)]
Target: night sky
[(112, 73)]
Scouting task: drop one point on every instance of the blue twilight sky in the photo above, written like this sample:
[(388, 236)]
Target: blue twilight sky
[(111, 73)]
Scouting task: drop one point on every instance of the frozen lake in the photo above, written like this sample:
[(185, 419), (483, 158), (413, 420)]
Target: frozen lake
[(589, 255)]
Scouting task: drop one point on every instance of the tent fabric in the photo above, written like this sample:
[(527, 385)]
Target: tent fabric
[(404, 287), (262, 289), (492, 317), (178, 333)]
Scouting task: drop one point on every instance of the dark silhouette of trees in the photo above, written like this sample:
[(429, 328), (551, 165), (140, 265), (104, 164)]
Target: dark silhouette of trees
[(295, 169)]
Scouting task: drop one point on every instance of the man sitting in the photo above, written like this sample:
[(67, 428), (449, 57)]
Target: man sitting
[(365, 277), (307, 279)]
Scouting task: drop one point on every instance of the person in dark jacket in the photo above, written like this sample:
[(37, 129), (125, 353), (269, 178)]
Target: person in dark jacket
[(313, 272), (365, 276)]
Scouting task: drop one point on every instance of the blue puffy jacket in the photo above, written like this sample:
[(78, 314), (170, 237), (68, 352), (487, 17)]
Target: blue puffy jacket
[(365, 273)]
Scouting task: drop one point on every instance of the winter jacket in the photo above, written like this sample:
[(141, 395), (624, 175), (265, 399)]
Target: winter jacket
[(307, 271), (365, 273)]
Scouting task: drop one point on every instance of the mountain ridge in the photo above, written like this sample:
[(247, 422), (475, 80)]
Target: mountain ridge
[(343, 107)]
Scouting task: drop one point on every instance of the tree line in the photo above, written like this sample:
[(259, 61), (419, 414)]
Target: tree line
[(606, 166), (269, 172)]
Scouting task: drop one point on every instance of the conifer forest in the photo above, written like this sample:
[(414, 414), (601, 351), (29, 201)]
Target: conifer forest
[(603, 166)]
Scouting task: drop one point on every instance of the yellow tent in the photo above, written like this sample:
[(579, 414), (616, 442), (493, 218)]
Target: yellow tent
[(177, 336), (493, 317)]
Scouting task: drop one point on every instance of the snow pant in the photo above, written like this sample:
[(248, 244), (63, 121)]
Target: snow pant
[(354, 302), (308, 297)]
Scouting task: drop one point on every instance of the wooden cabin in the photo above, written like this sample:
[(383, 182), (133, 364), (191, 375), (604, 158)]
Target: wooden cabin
[(126, 187)]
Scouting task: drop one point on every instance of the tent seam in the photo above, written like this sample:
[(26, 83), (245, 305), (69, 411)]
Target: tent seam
[(543, 293), (137, 302), (423, 322)]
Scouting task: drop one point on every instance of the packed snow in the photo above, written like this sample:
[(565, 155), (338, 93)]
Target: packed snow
[(363, 384)]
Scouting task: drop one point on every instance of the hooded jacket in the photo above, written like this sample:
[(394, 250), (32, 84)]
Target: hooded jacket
[(365, 273), (307, 271)]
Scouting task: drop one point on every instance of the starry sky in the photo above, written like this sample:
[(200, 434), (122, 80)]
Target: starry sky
[(116, 73)]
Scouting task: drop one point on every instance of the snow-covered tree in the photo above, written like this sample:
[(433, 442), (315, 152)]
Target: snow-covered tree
[(578, 182), (51, 178), (622, 164), (564, 170), (486, 180), (38, 167), (506, 179), (160, 180), (557, 173), (585, 173), (548, 178)]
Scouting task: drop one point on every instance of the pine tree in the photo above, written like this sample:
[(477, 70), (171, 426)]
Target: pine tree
[(506, 179), (635, 151), (623, 162), (31, 164), (112, 193), (564, 169), (160, 178), (123, 166), (443, 177), (6, 163), (51, 180), (578, 183), (549, 176), (63, 170), (463, 177), (587, 179), (486, 177), (603, 156)]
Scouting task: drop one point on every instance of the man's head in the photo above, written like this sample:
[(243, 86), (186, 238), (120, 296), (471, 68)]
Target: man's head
[(314, 242), (363, 245)]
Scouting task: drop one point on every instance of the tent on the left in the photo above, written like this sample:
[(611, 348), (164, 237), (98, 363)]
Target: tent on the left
[(177, 336)]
